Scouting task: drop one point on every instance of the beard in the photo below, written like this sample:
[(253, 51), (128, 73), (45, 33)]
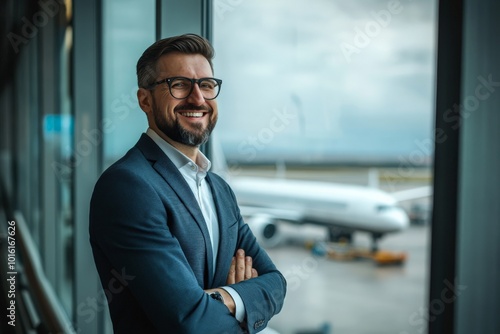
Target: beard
[(175, 131)]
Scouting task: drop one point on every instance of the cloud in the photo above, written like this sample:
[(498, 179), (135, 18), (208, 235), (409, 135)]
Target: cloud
[(275, 53)]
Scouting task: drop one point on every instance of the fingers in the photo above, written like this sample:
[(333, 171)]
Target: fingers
[(241, 268), (248, 267), (240, 265), (231, 276)]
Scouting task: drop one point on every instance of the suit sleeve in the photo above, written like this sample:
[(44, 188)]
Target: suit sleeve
[(263, 296), (128, 233)]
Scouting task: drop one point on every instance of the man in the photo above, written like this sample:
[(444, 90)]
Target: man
[(172, 251)]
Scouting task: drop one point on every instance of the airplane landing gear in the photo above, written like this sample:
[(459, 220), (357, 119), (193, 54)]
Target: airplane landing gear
[(375, 238), (338, 234)]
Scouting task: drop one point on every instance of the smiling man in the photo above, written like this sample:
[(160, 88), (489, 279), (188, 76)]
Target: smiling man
[(160, 216)]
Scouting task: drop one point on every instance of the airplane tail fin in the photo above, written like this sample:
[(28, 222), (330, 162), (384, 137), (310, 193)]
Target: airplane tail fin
[(218, 158)]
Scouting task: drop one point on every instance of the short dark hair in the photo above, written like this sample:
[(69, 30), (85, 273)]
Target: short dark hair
[(187, 43)]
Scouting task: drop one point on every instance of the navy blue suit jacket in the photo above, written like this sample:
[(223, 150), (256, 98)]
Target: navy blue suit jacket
[(152, 251)]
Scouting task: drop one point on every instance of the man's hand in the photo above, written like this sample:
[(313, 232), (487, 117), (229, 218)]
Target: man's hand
[(241, 268)]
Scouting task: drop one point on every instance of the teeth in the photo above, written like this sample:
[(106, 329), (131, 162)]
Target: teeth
[(192, 114)]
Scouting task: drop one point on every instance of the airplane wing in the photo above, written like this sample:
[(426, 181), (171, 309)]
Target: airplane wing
[(272, 213), (411, 194)]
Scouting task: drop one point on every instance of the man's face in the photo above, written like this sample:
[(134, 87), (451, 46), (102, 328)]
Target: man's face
[(189, 121)]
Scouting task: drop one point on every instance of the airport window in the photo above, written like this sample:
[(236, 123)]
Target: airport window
[(128, 29), (339, 93)]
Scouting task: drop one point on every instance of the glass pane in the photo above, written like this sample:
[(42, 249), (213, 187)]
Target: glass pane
[(65, 246), (129, 28), (341, 93), (56, 234)]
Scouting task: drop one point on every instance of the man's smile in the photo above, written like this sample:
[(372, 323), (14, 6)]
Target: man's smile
[(195, 114)]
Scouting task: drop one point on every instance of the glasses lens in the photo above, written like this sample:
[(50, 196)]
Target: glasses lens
[(209, 88), (180, 87)]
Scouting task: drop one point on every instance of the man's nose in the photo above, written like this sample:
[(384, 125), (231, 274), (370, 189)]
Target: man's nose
[(196, 96)]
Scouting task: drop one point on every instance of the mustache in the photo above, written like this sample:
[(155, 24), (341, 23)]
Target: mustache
[(190, 106)]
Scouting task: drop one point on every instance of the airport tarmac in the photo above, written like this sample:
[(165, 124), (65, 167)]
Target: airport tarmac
[(352, 297), (358, 296)]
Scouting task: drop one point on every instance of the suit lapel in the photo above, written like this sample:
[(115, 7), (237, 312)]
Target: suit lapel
[(225, 217), (169, 172)]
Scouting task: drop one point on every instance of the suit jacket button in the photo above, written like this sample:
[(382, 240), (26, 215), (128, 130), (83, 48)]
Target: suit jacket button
[(258, 324)]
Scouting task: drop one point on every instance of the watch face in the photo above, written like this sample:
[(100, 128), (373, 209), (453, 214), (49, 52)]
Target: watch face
[(217, 296)]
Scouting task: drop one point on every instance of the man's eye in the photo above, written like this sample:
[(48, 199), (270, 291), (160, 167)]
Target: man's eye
[(180, 84), (208, 85)]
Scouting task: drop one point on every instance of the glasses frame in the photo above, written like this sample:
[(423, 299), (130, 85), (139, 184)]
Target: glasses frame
[(193, 81)]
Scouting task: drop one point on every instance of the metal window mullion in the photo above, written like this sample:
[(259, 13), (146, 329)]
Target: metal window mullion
[(50, 189), (446, 163), (180, 17), (87, 115)]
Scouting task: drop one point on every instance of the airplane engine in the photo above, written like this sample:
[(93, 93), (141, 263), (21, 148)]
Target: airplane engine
[(265, 230)]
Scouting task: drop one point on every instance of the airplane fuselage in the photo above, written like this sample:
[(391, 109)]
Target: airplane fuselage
[(347, 206)]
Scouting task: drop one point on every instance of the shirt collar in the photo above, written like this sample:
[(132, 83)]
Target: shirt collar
[(177, 157)]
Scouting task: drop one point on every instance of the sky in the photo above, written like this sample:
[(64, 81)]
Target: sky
[(324, 80)]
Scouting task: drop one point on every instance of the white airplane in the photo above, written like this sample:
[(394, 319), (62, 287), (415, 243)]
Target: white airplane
[(343, 209)]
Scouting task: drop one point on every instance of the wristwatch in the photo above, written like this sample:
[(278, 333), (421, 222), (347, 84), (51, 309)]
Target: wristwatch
[(217, 296)]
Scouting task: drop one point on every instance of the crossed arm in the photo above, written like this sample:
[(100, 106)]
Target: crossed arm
[(241, 269), (128, 232)]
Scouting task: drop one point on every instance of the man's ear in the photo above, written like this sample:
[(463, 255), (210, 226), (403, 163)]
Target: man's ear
[(145, 100)]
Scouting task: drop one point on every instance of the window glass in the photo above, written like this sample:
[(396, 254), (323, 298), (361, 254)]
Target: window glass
[(128, 29), (355, 78), (65, 233), (339, 92)]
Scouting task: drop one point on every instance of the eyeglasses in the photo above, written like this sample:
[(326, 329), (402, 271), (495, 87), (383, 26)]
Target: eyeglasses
[(182, 87)]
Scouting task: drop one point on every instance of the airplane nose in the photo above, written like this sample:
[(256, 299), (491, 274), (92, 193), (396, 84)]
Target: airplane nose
[(397, 218), (401, 219)]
